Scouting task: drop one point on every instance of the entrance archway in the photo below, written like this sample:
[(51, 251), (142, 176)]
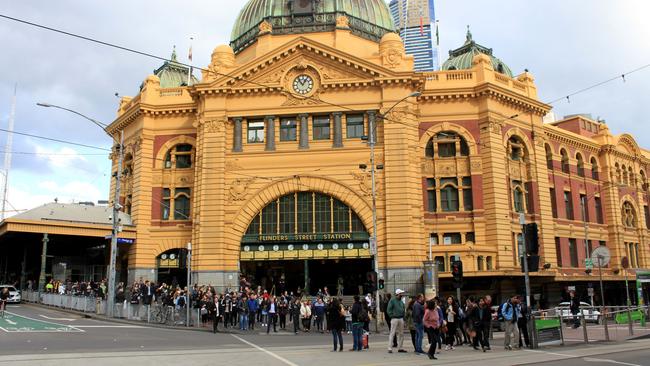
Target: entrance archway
[(172, 267), (305, 241)]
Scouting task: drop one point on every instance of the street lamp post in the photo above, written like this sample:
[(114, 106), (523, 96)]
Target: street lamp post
[(373, 240), (110, 296)]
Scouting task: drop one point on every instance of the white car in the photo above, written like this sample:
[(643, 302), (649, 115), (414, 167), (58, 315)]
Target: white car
[(590, 312), (14, 295)]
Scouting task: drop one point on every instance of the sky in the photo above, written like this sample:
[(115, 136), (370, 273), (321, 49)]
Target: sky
[(566, 45)]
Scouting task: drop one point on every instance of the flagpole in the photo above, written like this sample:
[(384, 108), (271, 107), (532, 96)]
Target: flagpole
[(189, 71)]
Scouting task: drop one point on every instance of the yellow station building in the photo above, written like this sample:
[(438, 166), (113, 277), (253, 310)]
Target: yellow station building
[(263, 164)]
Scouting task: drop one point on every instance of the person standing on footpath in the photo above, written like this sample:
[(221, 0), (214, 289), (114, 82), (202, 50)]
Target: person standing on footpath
[(294, 310), (408, 322), (480, 317), (357, 325), (451, 315), (418, 321), (396, 311), (574, 308), (510, 312), (271, 310), (336, 322)]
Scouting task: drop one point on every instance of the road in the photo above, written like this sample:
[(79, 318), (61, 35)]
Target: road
[(45, 336)]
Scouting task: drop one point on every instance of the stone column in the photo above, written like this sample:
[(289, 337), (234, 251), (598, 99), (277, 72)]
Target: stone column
[(304, 131), (270, 133), (338, 130), (41, 277), (236, 144)]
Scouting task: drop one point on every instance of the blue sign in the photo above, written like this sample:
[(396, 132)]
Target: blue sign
[(125, 241)]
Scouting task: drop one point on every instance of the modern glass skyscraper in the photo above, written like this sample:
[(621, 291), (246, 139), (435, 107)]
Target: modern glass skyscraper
[(415, 20)]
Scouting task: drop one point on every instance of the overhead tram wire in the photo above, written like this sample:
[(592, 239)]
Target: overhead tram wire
[(127, 49), (146, 54), (55, 140)]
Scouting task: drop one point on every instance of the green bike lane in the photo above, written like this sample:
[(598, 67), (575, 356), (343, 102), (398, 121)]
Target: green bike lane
[(14, 323)]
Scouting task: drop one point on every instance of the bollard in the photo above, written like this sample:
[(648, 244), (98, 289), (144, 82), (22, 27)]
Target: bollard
[(584, 327), (532, 326)]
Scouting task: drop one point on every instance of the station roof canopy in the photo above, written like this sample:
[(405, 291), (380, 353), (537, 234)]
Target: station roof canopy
[(68, 219)]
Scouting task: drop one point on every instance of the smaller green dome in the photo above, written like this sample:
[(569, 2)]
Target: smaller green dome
[(174, 75), (461, 58)]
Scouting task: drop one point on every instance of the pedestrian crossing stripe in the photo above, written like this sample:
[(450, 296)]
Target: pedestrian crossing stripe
[(14, 323)]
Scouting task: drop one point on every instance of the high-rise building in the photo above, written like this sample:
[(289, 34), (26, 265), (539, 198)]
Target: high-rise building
[(414, 19)]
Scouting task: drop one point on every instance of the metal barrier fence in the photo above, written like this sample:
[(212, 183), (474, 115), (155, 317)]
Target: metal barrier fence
[(152, 314)]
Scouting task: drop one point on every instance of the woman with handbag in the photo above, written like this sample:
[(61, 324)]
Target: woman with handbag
[(431, 324)]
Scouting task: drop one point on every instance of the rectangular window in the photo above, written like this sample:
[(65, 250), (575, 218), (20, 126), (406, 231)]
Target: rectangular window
[(451, 238), (518, 197), (440, 261), (553, 203), (270, 218), (165, 205), (529, 198), (288, 128), (584, 210), (354, 125), (468, 200), (182, 204), (558, 251), (568, 204), (469, 237), (321, 128), (432, 204), (637, 261), (590, 247), (449, 199), (446, 149), (488, 263), (602, 243), (305, 218), (287, 214), (573, 250), (255, 132), (599, 210), (433, 239)]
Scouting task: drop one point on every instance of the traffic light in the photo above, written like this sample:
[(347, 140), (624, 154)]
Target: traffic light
[(532, 239), (457, 273), (381, 284)]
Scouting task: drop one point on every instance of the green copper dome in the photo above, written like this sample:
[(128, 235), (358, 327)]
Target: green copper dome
[(174, 75), (367, 18), (461, 58)]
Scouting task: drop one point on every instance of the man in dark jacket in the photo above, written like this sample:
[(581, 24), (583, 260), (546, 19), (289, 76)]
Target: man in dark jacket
[(418, 318), (480, 317), (574, 308)]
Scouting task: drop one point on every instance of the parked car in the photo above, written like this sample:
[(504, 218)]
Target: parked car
[(14, 295), (591, 314)]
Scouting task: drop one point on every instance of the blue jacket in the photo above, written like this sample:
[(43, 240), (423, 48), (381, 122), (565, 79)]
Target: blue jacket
[(252, 306), (510, 312)]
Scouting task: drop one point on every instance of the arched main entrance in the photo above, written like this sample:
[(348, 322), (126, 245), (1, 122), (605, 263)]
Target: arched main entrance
[(172, 267), (306, 241)]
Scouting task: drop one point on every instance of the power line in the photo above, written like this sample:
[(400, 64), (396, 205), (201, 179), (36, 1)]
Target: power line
[(621, 76), (55, 140)]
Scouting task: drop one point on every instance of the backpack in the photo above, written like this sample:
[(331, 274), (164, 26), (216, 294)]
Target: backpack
[(363, 315), (181, 301), (500, 311)]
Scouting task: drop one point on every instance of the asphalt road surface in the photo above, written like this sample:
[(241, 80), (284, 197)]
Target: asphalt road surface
[(34, 335)]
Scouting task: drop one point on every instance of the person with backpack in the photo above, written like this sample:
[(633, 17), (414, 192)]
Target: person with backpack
[(336, 322), (396, 311), (510, 313)]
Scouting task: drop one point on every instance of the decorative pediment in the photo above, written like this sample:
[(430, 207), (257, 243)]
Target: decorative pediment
[(628, 145), (270, 71)]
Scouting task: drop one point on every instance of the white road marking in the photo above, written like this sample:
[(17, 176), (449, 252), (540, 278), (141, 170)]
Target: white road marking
[(43, 321), (601, 360), (277, 357), (550, 353), (64, 319), (10, 322)]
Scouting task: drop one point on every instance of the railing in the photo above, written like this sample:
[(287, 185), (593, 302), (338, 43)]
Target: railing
[(152, 314)]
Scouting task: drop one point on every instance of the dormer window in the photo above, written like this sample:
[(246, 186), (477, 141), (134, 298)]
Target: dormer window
[(179, 156), (447, 145), (516, 149)]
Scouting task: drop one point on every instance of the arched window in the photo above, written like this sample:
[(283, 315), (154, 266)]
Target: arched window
[(549, 157), (480, 263), (518, 198), (500, 69), (644, 180), (624, 172), (619, 177), (565, 161), (594, 168), (581, 165), (175, 203), (179, 156), (488, 263), (446, 145), (631, 177), (128, 166), (516, 149), (305, 213), (629, 215), (449, 194)]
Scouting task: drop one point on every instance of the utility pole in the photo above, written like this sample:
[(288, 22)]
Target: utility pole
[(373, 240), (188, 302), (110, 300), (524, 257), (8, 147)]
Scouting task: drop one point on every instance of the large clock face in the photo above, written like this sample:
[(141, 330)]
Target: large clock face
[(303, 84)]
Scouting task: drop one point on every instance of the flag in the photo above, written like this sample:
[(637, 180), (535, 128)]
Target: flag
[(421, 25), (189, 56), (437, 35)]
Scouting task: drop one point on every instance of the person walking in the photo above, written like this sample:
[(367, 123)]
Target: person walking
[(396, 311), (479, 317), (336, 322), (431, 323), (574, 308), (510, 312), (408, 321), (4, 296)]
